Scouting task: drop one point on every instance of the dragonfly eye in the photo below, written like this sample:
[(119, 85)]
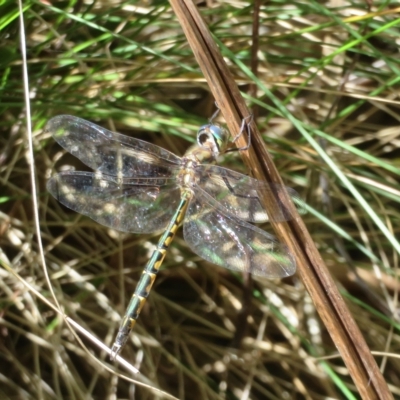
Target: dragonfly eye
[(213, 137)]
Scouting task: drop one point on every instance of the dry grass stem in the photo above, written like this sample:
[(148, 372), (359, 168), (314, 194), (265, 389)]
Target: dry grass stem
[(315, 275)]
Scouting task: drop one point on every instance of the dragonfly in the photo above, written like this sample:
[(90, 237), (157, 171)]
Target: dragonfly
[(142, 188)]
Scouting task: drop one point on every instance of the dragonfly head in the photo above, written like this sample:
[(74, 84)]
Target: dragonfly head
[(214, 138)]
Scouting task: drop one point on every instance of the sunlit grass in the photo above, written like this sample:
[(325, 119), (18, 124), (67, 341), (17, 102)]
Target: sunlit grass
[(327, 99)]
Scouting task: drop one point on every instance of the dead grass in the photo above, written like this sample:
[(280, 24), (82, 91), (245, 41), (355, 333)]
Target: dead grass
[(128, 68)]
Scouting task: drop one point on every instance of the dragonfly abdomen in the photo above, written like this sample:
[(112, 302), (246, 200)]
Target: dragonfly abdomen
[(149, 274)]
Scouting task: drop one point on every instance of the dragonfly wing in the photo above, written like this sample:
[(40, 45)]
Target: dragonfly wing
[(119, 204), (240, 194), (229, 242), (110, 152)]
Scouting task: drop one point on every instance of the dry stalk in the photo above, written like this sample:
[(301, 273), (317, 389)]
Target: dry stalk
[(315, 276)]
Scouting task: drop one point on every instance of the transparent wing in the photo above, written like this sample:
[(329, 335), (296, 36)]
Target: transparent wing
[(111, 152), (229, 242), (240, 194), (123, 205)]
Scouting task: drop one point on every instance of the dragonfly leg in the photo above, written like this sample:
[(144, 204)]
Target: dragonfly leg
[(246, 121), (216, 112)]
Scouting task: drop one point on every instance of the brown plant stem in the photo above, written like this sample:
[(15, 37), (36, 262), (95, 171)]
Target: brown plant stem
[(314, 274)]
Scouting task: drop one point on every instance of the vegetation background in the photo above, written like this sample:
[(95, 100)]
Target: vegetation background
[(127, 67)]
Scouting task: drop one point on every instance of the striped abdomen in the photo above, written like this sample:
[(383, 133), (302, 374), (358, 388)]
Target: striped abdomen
[(149, 275)]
